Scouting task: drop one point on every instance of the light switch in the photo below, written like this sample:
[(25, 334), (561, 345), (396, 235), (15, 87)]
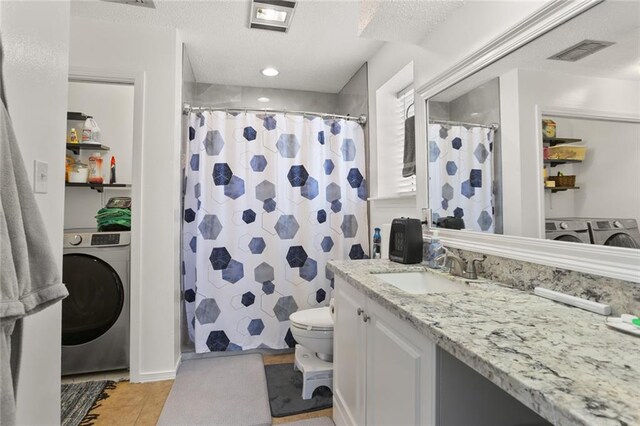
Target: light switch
[(41, 177)]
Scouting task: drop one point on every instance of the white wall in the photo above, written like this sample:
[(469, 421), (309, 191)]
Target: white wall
[(471, 27), (35, 36), (538, 92), (111, 105), (609, 176), (155, 53)]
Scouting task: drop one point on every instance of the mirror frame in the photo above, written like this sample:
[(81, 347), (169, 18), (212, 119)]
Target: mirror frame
[(613, 262)]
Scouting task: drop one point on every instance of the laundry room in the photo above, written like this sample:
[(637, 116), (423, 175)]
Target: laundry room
[(97, 222)]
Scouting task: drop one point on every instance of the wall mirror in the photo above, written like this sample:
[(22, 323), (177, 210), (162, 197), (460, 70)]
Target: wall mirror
[(494, 169)]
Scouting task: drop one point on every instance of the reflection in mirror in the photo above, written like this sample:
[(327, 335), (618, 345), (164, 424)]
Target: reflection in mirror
[(545, 142)]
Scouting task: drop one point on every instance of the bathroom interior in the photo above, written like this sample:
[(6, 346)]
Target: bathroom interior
[(342, 212)]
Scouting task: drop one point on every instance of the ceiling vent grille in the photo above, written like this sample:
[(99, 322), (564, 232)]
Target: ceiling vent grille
[(273, 15), (581, 50), (142, 3)]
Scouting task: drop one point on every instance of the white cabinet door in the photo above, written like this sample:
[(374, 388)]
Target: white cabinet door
[(349, 348), (383, 369), (400, 372)]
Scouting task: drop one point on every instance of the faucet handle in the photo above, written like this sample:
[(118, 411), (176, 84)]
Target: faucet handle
[(473, 263)]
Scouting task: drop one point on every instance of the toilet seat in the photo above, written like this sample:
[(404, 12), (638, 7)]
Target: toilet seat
[(318, 319)]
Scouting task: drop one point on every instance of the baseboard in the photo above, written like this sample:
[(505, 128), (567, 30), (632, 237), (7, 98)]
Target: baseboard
[(156, 376)]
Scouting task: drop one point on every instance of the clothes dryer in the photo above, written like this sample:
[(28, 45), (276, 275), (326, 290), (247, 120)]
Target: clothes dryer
[(95, 315), (573, 230), (615, 232)]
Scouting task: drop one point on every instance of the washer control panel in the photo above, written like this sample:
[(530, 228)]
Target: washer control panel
[(77, 238)]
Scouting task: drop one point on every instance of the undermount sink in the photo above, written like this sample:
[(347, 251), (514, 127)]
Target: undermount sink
[(421, 282)]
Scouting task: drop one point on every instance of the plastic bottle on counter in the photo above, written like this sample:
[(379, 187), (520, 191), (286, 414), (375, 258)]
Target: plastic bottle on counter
[(95, 168), (377, 242), (436, 249)]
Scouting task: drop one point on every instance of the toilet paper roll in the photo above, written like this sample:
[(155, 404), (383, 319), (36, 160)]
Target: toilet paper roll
[(384, 245)]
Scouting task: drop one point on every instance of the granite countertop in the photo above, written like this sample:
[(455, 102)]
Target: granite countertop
[(562, 362)]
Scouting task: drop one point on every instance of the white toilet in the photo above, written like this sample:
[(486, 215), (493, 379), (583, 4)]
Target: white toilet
[(313, 330)]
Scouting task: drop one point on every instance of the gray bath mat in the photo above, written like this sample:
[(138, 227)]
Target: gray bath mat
[(285, 392), (76, 399), (230, 391)]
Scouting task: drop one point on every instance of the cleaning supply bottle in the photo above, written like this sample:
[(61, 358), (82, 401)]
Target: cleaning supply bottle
[(377, 242), (112, 170), (436, 249), (73, 136), (91, 131), (95, 168)]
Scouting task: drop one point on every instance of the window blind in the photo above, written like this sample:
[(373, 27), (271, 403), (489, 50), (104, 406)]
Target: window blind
[(391, 155)]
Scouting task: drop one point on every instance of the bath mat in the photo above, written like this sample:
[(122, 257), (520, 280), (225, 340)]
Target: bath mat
[(230, 391), (77, 399), (285, 392)]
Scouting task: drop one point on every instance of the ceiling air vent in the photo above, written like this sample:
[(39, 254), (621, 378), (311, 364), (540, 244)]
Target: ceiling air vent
[(581, 50), (142, 3), (273, 15)]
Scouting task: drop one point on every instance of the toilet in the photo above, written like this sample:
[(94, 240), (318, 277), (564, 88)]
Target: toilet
[(313, 330)]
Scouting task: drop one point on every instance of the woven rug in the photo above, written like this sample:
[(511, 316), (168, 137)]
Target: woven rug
[(77, 399), (285, 392)]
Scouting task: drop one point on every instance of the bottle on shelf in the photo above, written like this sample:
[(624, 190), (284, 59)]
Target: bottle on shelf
[(73, 136), (91, 131), (112, 170), (377, 242), (95, 168)]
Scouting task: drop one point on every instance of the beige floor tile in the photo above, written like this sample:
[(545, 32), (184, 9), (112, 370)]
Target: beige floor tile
[(279, 359), (150, 414), (117, 416), (327, 412)]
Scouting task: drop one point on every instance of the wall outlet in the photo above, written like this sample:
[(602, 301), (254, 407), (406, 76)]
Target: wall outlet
[(40, 177)]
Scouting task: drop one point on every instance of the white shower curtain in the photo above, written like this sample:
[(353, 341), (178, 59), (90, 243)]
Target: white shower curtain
[(461, 175), (269, 199)]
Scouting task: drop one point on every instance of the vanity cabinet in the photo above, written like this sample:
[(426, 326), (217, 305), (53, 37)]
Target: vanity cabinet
[(384, 370)]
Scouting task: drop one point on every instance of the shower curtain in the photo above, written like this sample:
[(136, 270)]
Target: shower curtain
[(269, 199), (461, 175)]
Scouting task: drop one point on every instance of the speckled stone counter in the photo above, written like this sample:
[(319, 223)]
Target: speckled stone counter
[(562, 362)]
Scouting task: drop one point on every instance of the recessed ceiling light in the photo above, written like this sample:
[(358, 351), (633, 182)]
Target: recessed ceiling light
[(270, 72), (274, 15), (474, 114), (263, 99)]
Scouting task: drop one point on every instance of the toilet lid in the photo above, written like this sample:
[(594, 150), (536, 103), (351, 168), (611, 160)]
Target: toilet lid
[(315, 318)]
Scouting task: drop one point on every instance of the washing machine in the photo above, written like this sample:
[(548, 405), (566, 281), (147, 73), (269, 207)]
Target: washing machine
[(95, 315), (615, 232), (573, 230)]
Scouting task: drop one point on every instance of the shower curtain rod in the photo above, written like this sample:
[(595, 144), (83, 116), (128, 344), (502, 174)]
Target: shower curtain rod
[(494, 126), (186, 109)]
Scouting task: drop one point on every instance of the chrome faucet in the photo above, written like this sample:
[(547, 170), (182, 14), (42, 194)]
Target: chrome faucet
[(456, 266)]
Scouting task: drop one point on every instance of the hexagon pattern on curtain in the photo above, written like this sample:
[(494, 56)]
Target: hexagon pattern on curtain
[(461, 175), (269, 199)]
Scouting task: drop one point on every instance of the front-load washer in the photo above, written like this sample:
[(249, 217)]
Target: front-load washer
[(615, 232), (95, 315), (573, 230)]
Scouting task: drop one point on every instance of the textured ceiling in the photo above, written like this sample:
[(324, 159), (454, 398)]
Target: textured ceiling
[(406, 21), (616, 21), (327, 43)]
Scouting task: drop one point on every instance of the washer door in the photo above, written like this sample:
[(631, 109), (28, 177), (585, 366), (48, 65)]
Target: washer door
[(621, 240), (569, 238), (95, 301)]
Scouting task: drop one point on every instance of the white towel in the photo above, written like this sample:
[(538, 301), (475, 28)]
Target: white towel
[(29, 277)]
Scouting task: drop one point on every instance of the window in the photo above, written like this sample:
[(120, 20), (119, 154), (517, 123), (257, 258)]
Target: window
[(394, 107)]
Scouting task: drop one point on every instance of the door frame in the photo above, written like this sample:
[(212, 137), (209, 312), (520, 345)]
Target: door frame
[(137, 79)]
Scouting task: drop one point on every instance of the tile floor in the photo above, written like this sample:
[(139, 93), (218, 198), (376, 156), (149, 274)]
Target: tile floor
[(140, 404)]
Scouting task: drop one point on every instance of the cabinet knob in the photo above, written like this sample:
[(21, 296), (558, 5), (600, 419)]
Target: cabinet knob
[(365, 317), (360, 311)]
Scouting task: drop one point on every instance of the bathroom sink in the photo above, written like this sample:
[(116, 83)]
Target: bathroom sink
[(421, 282)]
